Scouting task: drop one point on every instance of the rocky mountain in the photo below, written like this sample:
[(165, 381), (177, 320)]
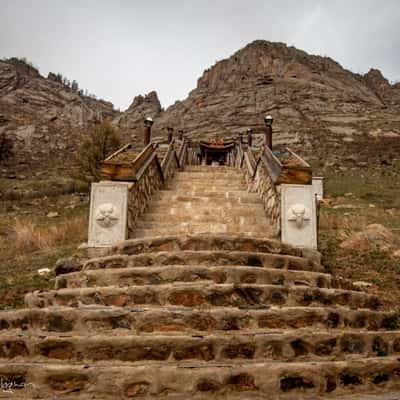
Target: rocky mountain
[(130, 123), (325, 112), (44, 117)]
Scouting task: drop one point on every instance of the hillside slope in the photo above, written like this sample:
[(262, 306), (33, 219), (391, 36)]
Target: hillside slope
[(325, 112), (43, 117)]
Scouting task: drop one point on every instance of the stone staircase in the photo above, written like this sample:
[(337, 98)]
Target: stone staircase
[(203, 200), (201, 304)]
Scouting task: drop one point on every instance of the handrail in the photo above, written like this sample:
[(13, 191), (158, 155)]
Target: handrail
[(248, 163), (241, 155), (123, 148), (146, 164), (181, 153), (168, 157), (113, 169)]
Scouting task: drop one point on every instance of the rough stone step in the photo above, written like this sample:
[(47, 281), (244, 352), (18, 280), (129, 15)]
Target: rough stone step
[(209, 187), (202, 295), (216, 198), (210, 174), (256, 210), (88, 320), (230, 194), (247, 380), (208, 242), (263, 231), (205, 218), (289, 346), (203, 258), (201, 202), (207, 168), (156, 275), (230, 184)]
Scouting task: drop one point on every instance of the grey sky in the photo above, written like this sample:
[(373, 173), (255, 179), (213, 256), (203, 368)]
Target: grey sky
[(118, 49)]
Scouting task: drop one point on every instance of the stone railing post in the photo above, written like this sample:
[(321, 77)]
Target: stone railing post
[(148, 122), (299, 215)]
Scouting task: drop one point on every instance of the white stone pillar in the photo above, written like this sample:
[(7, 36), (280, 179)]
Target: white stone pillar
[(299, 215), (108, 213)]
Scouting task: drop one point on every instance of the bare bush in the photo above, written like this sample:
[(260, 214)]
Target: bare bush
[(99, 143)]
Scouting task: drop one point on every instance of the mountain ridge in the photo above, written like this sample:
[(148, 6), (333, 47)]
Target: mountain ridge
[(325, 112)]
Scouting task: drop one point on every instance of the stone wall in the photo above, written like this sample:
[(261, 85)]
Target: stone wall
[(141, 192)]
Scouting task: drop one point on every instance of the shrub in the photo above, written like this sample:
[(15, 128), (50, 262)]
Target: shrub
[(6, 147), (98, 144)]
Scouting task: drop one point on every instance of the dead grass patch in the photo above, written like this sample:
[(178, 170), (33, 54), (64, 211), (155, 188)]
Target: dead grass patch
[(28, 237)]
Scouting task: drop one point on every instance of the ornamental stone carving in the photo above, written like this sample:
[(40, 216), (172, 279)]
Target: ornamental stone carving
[(298, 213), (107, 215)]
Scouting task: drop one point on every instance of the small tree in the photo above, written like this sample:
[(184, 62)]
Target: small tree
[(98, 144), (6, 147)]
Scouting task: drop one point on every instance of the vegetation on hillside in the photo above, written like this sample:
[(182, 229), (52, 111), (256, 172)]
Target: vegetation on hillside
[(6, 147), (98, 144)]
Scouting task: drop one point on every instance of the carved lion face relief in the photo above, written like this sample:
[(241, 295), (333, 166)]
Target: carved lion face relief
[(106, 215)]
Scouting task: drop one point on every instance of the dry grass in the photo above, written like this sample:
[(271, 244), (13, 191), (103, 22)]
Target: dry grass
[(352, 203), (343, 225), (28, 237)]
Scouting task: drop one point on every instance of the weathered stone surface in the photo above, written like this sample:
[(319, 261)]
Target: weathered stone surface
[(298, 215), (44, 118), (322, 111), (204, 316), (108, 221)]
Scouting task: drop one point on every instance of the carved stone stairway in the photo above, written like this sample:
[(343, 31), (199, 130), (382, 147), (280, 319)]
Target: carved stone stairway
[(205, 200), (203, 305)]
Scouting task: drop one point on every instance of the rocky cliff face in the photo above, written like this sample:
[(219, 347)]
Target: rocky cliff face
[(323, 111), (44, 118), (329, 115), (130, 123)]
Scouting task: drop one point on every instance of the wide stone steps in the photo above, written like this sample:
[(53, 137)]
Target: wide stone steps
[(203, 258), (96, 319), (198, 169), (218, 176), (234, 274), (247, 380), (202, 294), (211, 203), (264, 346), (218, 223), (218, 227), (208, 186), (189, 214), (206, 217), (210, 242), (212, 198), (184, 313)]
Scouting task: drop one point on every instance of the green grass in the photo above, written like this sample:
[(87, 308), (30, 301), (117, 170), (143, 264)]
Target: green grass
[(376, 189), (19, 189), (374, 200)]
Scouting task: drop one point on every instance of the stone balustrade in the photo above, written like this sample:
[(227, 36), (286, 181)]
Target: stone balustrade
[(141, 191), (116, 206), (290, 207)]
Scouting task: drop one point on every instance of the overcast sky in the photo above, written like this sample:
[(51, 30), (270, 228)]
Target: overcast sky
[(120, 48)]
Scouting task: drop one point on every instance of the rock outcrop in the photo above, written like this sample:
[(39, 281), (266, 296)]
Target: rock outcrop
[(326, 113), (130, 123), (44, 118)]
